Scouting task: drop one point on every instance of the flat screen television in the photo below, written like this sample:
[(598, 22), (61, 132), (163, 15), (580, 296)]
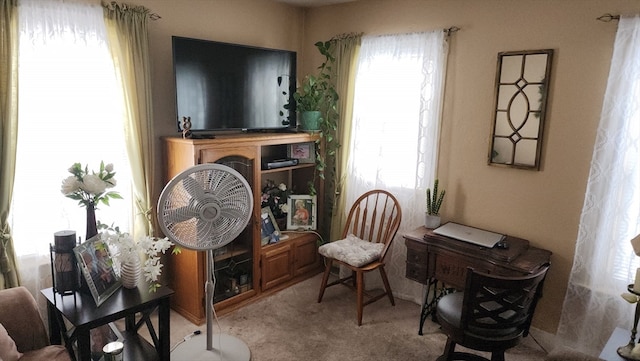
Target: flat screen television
[(223, 86)]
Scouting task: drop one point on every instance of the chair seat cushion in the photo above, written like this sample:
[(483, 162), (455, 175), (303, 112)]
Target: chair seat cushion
[(352, 251)]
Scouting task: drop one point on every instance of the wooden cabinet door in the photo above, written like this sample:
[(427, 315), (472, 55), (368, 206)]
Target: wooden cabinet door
[(305, 253), (277, 266)]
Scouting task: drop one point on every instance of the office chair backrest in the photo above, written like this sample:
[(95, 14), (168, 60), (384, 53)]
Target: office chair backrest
[(496, 305)]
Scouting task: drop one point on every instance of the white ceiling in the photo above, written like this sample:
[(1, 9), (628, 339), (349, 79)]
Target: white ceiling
[(313, 3)]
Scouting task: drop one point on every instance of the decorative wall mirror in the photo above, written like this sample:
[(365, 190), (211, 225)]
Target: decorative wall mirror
[(522, 86)]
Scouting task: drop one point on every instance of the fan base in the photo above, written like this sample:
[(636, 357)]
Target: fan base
[(225, 348)]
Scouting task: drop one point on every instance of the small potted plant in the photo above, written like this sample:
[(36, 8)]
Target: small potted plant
[(434, 201)]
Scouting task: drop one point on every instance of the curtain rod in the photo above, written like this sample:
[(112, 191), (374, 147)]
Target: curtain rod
[(451, 30), (608, 17)]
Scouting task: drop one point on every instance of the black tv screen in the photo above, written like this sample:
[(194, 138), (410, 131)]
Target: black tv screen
[(223, 86)]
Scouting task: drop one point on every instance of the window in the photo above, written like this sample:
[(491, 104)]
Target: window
[(69, 111), (397, 102)]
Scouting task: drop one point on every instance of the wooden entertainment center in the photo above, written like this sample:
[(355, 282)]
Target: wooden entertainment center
[(244, 269)]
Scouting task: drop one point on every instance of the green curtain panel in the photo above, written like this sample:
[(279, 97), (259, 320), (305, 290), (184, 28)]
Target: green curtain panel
[(8, 135), (129, 44), (345, 49)]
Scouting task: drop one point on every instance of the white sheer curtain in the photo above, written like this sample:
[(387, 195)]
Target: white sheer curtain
[(397, 108), (604, 262), (69, 111)]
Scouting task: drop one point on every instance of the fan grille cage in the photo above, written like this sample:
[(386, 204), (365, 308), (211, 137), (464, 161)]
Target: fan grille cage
[(205, 207)]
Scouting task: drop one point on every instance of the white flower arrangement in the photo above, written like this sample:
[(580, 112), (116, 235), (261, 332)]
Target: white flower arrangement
[(125, 249), (90, 188)]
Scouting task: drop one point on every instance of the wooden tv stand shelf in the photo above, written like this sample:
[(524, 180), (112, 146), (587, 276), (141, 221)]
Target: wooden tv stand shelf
[(432, 258), (245, 270)]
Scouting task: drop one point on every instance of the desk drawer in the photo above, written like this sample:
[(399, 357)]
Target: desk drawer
[(416, 252), (417, 272), (452, 269), (417, 256)]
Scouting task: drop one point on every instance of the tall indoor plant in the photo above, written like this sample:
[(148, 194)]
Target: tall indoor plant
[(317, 103)]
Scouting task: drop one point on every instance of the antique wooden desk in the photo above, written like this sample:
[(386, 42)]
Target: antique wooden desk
[(433, 259), (83, 315)]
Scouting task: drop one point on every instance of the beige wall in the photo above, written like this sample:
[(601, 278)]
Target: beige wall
[(542, 206)]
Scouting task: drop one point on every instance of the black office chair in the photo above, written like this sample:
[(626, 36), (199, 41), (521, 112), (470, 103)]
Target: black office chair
[(493, 313)]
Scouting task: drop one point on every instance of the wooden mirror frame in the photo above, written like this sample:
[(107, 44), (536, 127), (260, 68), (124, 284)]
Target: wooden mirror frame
[(521, 92)]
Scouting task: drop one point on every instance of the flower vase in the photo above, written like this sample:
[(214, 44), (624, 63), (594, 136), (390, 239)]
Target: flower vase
[(92, 228), (130, 272), (282, 223)]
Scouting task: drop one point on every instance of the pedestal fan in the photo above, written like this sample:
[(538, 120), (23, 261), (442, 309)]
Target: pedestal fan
[(204, 208)]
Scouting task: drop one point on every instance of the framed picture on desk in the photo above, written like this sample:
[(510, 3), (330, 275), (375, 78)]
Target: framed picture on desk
[(96, 265)]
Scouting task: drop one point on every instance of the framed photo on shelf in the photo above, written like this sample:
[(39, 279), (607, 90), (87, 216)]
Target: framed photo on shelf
[(96, 265), (269, 230), (100, 336), (303, 152), (302, 214)]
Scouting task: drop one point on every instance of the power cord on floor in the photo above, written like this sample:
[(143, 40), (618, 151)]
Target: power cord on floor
[(187, 337)]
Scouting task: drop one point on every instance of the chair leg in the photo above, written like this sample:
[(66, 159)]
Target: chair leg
[(448, 352), (387, 288), (325, 278), (360, 292)]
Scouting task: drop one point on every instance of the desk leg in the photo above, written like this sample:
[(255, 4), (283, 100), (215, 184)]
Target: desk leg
[(54, 328), (429, 306), (58, 331), (164, 321), (84, 344)]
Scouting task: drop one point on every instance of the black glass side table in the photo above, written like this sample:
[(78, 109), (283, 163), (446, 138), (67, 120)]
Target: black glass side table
[(129, 304)]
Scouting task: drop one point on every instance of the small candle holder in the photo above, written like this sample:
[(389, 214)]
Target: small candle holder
[(628, 352), (65, 273)]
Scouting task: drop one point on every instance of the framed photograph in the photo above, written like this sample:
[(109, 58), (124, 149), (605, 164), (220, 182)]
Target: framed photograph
[(96, 265), (302, 214), (100, 336), (269, 230), (303, 152)]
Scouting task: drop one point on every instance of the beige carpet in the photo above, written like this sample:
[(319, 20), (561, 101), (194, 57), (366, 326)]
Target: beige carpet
[(292, 326)]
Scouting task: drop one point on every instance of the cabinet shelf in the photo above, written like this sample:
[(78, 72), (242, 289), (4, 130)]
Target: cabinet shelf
[(298, 166), (294, 236), (230, 254)]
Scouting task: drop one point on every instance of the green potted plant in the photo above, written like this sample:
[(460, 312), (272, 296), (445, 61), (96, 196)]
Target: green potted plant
[(434, 201), (316, 98)]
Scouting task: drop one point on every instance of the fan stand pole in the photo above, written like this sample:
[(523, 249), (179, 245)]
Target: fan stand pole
[(220, 347), (209, 306)]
